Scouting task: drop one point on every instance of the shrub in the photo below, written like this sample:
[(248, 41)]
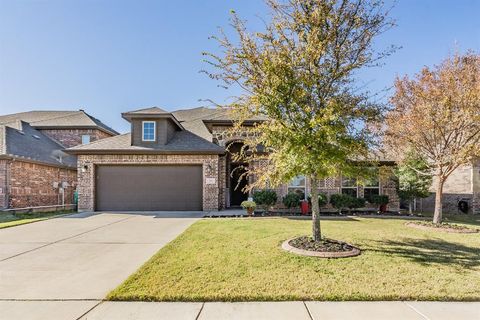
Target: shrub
[(356, 203), (248, 204), (291, 200), (265, 197), (322, 199), (340, 201), (380, 199)]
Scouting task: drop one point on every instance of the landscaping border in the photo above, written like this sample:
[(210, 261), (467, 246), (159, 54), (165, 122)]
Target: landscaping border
[(448, 230), (343, 254)]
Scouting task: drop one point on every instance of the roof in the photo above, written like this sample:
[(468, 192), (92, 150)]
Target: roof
[(183, 142), (58, 119), (152, 110), (25, 142), (196, 119), (151, 113)]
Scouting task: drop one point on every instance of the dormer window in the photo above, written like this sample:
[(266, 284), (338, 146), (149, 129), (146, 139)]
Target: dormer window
[(148, 130)]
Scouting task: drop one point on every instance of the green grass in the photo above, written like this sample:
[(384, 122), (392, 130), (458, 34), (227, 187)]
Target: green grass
[(8, 220), (241, 260)]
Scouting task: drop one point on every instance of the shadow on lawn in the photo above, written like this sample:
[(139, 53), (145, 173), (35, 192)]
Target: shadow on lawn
[(431, 251)]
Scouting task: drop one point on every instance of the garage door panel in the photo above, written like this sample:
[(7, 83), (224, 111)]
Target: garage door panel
[(154, 188)]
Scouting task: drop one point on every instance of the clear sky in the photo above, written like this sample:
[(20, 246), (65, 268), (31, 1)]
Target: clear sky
[(111, 56)]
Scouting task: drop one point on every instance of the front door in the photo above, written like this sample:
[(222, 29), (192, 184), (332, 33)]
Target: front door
[(238, 181)]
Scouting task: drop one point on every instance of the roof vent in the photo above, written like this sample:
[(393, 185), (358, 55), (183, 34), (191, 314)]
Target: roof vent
[(21, 132), (35, 136)]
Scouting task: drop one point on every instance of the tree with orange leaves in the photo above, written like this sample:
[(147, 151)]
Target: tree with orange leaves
[(437, 115)]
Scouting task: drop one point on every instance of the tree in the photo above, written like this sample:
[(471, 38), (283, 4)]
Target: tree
[(437, 116), (411, 183), (299, 75)]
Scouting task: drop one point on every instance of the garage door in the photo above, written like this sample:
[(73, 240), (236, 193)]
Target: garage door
[(149, 188)]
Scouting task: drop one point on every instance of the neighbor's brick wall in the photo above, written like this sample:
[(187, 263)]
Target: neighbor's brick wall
[(476, 187), (3, 183), (459, 185), (73, 137), (31, 184), (86, 180)]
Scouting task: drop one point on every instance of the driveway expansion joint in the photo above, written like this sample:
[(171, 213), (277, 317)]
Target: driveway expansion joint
[(308, 310), (416, 310)]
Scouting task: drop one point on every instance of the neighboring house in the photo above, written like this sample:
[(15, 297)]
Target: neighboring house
[(34, 170), (463, 185), (178, 161)]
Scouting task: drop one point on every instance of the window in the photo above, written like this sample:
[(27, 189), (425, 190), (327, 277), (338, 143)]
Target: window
[(349, 186), (372, 185), (148, 131), (297, 185), (85, 139)]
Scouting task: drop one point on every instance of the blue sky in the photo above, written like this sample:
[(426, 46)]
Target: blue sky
[(111, 56)]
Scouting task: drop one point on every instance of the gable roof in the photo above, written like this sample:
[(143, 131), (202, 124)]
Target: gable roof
[(151, 113), (152, 110), (183, 142), (25, 142), (58, 119)]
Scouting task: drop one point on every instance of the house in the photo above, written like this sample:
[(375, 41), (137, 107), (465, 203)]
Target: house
[(463, 185), (179, 161), (34, 170)]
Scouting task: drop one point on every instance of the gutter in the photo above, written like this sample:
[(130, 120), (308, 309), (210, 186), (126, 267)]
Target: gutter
[(30, 160), (142, 152)]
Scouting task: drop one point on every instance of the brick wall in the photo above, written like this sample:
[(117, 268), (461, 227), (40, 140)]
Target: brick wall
[(73, 137), (3, 183), (476, 187), (31, 184), (86, 174), (461, 184), (223, 135)]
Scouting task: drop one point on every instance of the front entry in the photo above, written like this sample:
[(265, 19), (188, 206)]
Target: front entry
[(238, 181)]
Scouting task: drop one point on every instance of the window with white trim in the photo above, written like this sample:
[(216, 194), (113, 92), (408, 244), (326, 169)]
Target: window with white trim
[(372, 185), (298, 185), (148, 130), (85, 138), (350, 186)]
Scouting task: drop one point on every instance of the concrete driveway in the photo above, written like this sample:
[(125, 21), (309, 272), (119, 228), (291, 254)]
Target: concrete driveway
[(81, 256)]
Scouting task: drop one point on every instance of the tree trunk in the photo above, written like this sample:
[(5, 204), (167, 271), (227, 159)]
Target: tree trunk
[(317, 234), (437, 215), (410, 205)]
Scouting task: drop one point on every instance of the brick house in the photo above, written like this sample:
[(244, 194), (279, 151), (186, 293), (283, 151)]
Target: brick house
[(178, 161), (462, 185), (34, 170)]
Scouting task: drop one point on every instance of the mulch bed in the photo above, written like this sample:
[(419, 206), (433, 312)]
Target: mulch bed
[(445, 227), (327, 248)]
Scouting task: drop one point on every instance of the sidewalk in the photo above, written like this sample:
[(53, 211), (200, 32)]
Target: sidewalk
[(298, 310)]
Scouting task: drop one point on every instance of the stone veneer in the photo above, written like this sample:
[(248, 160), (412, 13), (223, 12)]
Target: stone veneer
[(73, 137), (86, 174)]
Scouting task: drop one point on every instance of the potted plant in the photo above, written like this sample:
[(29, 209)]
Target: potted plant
[(381, 201), (249, 206)]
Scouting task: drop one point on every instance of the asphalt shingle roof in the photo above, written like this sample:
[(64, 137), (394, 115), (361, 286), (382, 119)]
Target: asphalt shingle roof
[(182, 142), (24, 141), (152, 110), (52, 119)]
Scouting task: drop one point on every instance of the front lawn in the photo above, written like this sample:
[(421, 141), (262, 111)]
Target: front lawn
[(241, 260), (10, 220)]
